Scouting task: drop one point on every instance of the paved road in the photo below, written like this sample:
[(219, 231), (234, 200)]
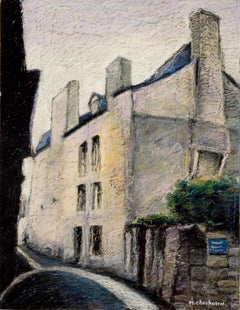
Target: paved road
[(56, 285), (58, 289)]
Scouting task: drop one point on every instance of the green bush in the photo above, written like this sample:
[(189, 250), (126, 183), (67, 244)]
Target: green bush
[(213, 202), (156, 219)]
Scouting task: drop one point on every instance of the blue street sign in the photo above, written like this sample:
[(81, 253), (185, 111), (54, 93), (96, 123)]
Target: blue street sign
[(217, 246)]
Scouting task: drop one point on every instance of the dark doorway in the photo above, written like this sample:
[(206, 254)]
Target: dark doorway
[(95, 241), (77, 243)]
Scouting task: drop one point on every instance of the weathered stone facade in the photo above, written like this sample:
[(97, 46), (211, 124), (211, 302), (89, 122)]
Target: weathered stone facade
[(96, 173)]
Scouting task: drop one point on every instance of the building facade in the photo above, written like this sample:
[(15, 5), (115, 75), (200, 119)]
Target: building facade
[(99, 171)]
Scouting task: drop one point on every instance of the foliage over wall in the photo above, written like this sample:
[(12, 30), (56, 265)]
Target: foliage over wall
[(213, 202)]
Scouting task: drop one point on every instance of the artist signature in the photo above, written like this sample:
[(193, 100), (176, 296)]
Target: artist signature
[(206, 303)]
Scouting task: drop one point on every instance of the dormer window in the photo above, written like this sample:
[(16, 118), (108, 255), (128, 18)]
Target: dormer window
[(97, 104)]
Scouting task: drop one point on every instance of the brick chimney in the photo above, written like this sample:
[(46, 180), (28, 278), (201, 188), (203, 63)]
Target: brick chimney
[(206, 51), (118, 76)]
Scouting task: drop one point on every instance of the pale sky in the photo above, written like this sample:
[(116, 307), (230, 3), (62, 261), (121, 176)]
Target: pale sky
[(77, 39)]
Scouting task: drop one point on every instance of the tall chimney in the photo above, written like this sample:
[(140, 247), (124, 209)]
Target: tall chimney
[(118, 76), (65, 111), (72, 105), (206, 51)]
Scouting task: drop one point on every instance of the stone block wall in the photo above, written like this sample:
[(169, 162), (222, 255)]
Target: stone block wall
[(174, 262), (216, 280)]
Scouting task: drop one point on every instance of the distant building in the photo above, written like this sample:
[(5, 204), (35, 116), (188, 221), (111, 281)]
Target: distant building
[(96, 173)]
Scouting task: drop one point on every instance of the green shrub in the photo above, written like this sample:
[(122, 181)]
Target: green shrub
[(156, 219), (213, 202)]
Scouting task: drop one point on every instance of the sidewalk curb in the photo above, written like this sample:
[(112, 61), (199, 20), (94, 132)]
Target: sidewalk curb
[(31, 262)]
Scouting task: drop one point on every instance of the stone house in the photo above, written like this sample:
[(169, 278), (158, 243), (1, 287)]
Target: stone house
[(97, 172)]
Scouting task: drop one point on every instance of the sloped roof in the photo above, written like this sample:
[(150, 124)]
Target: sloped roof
[(83, 119), (179, 60), (45, 141), (87, 117), (175, 63)]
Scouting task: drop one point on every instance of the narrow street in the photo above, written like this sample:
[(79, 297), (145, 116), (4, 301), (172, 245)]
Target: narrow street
[(55, 285), (61, 289)]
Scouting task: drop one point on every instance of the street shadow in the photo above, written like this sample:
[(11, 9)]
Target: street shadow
[(60, 290)]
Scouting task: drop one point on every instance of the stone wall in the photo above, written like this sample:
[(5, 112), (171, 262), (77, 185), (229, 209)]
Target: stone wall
[(174, 262)]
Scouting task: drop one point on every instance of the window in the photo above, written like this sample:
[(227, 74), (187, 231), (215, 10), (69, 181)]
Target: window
[(83, 158), (96, 196), (95, 241), (95, 153), (81, 198), (208, 164)]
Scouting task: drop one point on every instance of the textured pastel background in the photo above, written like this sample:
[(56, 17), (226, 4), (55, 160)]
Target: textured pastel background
[(77, 39)]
